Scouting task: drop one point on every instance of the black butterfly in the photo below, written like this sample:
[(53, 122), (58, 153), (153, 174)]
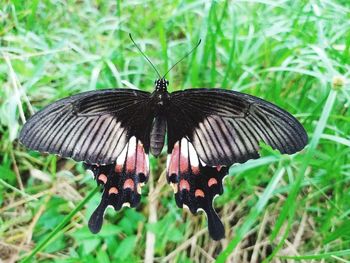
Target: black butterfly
[(112, 132)]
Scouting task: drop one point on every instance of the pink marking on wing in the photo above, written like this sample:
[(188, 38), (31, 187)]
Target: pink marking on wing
[(184, 185), (130, 162), (174, 160), (212, 181), (118, 168), (199, 193), (102, 178), (141, 166), (184, 158), (184, 163), (195, 170), (113, 190), (129, 183)]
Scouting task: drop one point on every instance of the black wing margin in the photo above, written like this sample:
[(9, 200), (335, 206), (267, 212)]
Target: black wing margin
[(93, 126), (226, 127)]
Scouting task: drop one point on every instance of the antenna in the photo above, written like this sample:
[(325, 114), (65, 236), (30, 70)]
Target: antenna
[(145, 56), (189, 53)]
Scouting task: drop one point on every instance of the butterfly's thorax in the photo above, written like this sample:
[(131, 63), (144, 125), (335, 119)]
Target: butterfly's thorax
[(160, 100)]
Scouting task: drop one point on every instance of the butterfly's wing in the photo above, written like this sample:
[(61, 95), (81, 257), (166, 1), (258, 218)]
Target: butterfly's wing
[(195, 184), (226, 127), (109, 130), (209, 130), (121, 181), (93, 127)]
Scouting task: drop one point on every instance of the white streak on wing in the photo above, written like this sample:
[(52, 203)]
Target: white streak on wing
[(184, 148), (108, 206), (174, 186), (99, 127), (202, 210), (168, 160), (193, 156), (112, 136), (147, 162), (126, 204), (117, 132), (132, 146), (202, 163), (122, 156), (185, 206), (139, 188)]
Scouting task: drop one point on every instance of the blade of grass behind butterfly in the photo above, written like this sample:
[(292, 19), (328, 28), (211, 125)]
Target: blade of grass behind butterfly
[(163, 44), (216, 33), (288, 210), (118, 13), (233, 45), (212, 46), (198, 63), (253, 215), (59, 227)]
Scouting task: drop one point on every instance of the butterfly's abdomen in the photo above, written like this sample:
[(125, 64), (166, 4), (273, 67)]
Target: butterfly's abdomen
[(158, 135)]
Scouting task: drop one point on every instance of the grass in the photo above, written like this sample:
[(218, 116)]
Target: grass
[(295, 54)]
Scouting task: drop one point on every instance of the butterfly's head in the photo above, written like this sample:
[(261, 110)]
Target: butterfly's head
[(161, 84)]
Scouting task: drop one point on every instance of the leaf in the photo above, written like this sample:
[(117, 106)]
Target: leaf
[(102, 256), (125, 248), (90, 244)]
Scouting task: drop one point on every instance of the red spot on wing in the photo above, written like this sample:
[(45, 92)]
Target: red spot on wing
[(212, 181), (199, 193), (102, 178), (218, 168), (184, 185), (129, 183), (195, 170), (113, 190), (118, 168)]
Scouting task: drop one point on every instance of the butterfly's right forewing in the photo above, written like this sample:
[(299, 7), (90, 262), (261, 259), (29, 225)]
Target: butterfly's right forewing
[(227, 127)]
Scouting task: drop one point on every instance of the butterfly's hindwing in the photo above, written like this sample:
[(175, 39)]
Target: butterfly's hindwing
[(92, 126), (122, 181), (195, 184)]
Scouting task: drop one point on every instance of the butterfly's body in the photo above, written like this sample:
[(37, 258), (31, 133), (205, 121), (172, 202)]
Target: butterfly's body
[(158, 134), (159, 104)]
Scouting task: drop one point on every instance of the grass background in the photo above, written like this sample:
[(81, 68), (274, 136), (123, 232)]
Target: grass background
[(295, 54)]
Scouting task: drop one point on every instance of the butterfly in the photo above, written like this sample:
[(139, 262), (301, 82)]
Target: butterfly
[(113, 131)]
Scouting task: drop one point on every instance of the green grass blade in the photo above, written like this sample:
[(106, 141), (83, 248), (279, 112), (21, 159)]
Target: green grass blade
[(253, 215), (288, 209), (59, 227)]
